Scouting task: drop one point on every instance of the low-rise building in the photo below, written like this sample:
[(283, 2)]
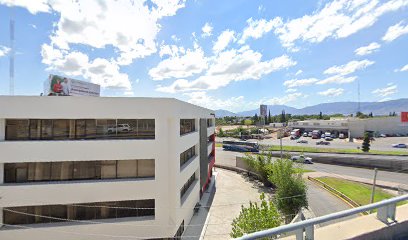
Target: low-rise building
[(100, 167), (354, 127)]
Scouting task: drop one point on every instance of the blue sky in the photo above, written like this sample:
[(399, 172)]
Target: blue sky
[(220, 54)]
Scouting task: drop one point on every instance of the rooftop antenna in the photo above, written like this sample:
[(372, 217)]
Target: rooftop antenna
[(11, 53)]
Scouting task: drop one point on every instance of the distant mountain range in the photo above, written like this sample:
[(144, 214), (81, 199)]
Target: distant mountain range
[(346, 108)]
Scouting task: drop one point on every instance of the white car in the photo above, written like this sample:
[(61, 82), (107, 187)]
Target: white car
[(302, 159), (123, 127), (399, 145)]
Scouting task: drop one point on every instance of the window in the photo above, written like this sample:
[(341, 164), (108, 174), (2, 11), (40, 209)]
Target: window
[(78, 170), (210, 122), (187, 126), (82, 211), (187, 155), (69, 129), (180, 231), (17, 129), (187, 185)]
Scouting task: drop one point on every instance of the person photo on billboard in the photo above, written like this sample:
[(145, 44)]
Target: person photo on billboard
[(65, 87), (57, 87)]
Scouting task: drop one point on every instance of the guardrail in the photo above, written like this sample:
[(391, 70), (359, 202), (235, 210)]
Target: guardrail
[(305, 229)]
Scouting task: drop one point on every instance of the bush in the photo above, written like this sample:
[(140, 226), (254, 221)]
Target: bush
[(366, 143), (255, 218)]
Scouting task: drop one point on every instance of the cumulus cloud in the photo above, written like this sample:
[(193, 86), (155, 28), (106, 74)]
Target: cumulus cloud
[(291, 90), (180, 65), (74, 63), (301, 82), (349, 68), (101, 25), (395, 32), (332, 92), (33, 7), (337, 19), (206, 30), (299, 72), (171, 50), (403, 69), (228, 66), (338, 79), (365, 50), (223, 40), (201, 98), (386, 91), (257, 28), (284, 99), (4, 51)]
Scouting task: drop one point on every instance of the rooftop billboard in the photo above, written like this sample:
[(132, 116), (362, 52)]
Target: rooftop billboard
[(61, 86)]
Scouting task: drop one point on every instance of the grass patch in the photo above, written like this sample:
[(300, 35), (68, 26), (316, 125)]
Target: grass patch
[(333, 150), (302, 170), (359, 192)]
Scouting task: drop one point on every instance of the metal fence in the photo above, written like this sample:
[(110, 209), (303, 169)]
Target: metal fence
[(305, 229)]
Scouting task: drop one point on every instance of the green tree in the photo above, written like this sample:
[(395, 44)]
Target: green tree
[(260, 164), (255, 218), (320, 115), (269, 117), (283, 117), (291, 190), (366, 143), (221, 133)]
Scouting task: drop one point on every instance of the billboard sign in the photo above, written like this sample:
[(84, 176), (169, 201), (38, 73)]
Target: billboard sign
[(263, 109), (61, 86), (404, 117)]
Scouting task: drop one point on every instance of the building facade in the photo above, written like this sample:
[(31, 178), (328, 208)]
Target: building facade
[(101, 168), (355, 127)]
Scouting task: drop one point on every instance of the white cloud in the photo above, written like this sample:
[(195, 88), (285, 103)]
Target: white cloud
[(332, 92), (257, 28), (291, 90), (349, 68), (202, 99), (175, 38), (223, 40), (384, 92), (284, 99), (106, 24), (4, 51), (207, 30), (229, 66), (171, 50), (338, 79), (365, 50), (337, 19), (180, 65), (33, 7), (301, 82), (403, 69), (33, 26), (395, 31), (74, 63), (298, 72)]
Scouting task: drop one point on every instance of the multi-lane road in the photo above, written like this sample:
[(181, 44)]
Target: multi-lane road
[(320, 201)]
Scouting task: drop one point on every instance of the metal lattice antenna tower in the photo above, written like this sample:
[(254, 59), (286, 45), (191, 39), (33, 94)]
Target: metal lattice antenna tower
[(11, 53), (358, 92)]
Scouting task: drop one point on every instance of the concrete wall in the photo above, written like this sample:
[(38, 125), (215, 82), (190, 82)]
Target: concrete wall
[(165, 149)]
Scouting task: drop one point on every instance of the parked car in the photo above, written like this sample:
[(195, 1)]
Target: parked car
[(305, 134), (310, 134), (302, 141), (302, 159), (322, 143), (342, 136), (328, 139), (383, 135), (120, 128), (399, 145), (323, 136)]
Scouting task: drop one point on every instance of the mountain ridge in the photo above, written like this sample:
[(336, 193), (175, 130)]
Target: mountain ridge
[(346, 108)]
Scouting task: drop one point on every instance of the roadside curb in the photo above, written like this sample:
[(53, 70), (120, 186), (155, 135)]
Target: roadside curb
[(336, 193)]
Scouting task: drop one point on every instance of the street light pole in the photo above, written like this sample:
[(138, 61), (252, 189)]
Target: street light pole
[(373, 189), (281, 149)]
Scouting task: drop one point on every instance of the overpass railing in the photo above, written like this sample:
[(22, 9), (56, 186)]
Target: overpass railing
[(305, 229)]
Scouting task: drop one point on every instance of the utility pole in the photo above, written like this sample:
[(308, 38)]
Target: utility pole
[(281, 136), (373, 189)]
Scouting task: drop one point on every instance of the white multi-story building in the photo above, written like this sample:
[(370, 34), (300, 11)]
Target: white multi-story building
[(100, 168)]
